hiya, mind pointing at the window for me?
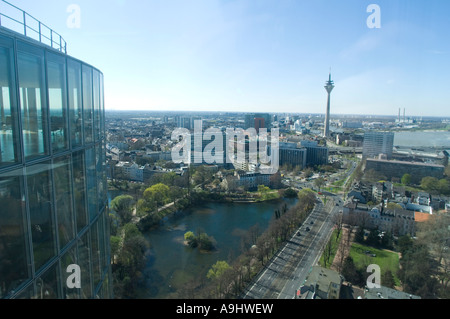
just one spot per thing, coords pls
(14, 268)
(87, 104)
(63, 200)
(91, 179)
(32, 101)
(41, 211)
(84, 263)
(96, 262)
(47, 284)
(75, 102)
(79, 189)
(69, 258)
(96, 104)
(57, 100)
(9, 137)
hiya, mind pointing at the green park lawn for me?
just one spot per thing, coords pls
(387, 260)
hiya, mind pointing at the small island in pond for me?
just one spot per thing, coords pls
(202, 241)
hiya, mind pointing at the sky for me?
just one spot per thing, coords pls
(261, 55)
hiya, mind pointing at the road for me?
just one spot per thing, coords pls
(288, 269)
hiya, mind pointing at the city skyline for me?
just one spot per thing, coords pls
(260, 57)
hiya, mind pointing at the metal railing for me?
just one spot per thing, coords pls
(29, 26)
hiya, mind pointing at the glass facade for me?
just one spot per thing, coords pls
(53, 200)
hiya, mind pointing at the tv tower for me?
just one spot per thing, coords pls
(329, 87)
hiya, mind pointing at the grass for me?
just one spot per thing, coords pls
(335, 246)
(385, 259)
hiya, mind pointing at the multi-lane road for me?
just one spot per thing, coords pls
(288, 269)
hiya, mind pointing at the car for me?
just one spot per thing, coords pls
(298, 234)
(307, 229)
(311, 222)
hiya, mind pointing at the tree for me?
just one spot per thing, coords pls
(406, 179)
(190, 238)
(217, 273)
(319, 182)
(387, 279)
(290, 193)
(443, 187)
(307, 197)
(159, 193)
(123, 206)
(429, 184)
(307, 173)
(351, 273)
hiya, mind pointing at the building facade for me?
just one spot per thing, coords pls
(291, 155)
(315, 154)
(53, 190)
(396, 169)
(376, 143)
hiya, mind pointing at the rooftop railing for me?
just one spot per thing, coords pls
(15, 19)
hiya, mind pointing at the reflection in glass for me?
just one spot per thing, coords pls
(8, 114)
(32, 101)
(87, 104)
(95, 249)
(39, 199)
(47, 285)
(63, 200)
(84, 263)
(79, 189)
(69, 258)
(56, 74)
(91, 179)
(75, 100)
(96, 105)
(14, 268)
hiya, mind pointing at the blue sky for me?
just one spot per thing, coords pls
(262, 55)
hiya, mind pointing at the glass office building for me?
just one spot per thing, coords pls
(53, 190)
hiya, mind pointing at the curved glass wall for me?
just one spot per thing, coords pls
(53, 202)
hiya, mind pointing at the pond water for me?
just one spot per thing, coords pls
(170, 264)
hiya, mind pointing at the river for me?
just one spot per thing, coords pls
(422, 139)
(170, 264)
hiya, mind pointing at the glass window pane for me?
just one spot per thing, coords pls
(69, 258)
(41, 211)
(75, 106)
(27, 293)
(79, 189)
(87, 104)
(100, 185)
(91, 186)
(9, 137)
(56, 74)
(14, 268)
(95, 254)
(102, 107)
(63, 200)
(47, 284)
(32, 101)
(84, 263)
(96, 95)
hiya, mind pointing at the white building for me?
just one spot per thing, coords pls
(376, 143)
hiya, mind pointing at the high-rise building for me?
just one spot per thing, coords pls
(315, 154)
(257, 121)
(290, 154)
(376, 143)
(53, 190)
(329, 87)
